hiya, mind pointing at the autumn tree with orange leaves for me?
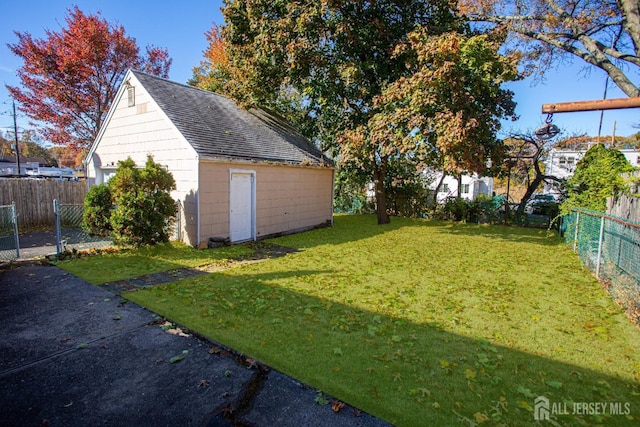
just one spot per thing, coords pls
(213, 72)
(603, 33)
(70, 77)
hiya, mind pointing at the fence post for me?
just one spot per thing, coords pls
(575, 234)
(56, 214)
(600, 247)
(15, 228)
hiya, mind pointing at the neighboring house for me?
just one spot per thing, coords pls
(472, 186)
(240, 174)
(561, 162)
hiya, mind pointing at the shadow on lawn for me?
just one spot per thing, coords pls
(404, 372)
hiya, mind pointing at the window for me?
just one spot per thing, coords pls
(562, 160)
(131, 96)
(444, 188)
(465, 188)
(571, 160)
(638, 161)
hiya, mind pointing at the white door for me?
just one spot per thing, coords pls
(241, 206)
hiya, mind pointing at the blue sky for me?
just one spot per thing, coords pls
(180, 27)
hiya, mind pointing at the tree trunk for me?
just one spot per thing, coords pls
(435, 193)
(379, 172)
(532, 186)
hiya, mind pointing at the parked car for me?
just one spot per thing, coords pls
(541, 204)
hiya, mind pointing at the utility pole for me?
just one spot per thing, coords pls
(15, 132)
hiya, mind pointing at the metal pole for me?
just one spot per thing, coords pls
(15, 131)
(601, 104)
(600, 247)
(15, 229)
(575, 234)
(56, 214)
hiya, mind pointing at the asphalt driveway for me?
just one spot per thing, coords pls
(74, 354)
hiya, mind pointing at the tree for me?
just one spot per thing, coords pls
(336, 57)
(213, 72)
(524, 158)
(68, 157)
(603, 33)
(144, 210)
(70, 77)
(597, 176)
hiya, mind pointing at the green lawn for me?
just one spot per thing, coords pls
(425, 323)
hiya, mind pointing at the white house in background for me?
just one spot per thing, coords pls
(632, 155)
(472, 186)
(561, 162)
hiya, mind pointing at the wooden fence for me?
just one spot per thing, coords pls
(627, 207)
(34, 198)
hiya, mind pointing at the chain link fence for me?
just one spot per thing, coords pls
(610, 247)
(70, 233)
(9, 239)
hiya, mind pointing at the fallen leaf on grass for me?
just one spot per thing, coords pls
(554, 384)
(480, 418)
(525, 392)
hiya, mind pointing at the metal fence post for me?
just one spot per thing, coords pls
(575, 234)
(56, 214)
(598, 262)
(14, 218)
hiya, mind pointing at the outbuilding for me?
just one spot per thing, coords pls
(240, 174)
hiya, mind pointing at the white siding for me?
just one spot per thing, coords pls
(142, 130)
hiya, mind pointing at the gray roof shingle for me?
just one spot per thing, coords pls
(218, 128)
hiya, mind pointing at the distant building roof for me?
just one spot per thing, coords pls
(12, 159)
(218, 128)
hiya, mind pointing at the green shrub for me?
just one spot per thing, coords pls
(97, 210)
(144, 210)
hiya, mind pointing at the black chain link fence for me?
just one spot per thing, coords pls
(70, 233)
(610, 247)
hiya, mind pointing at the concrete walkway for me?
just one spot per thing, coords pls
(74, 354)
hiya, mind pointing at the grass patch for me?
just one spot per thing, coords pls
(153, 259)
(424, 322)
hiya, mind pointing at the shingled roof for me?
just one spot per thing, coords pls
(218, 128)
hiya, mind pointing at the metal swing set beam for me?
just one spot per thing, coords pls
(602, 104)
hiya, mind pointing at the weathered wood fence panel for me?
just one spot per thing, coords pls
(624, 206)
(34, 198)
